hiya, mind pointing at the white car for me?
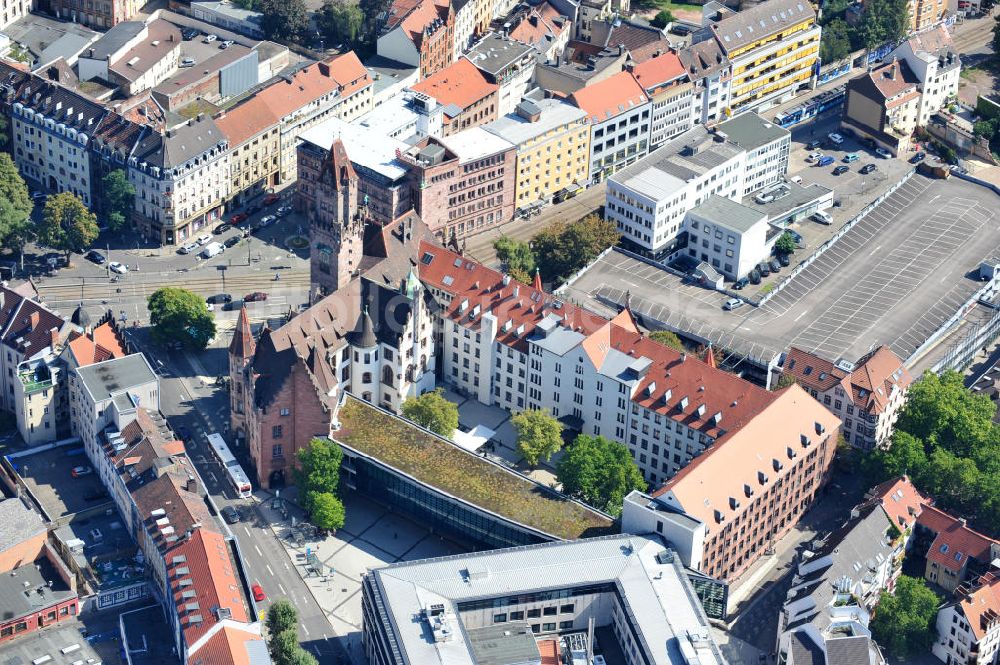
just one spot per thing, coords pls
(882, 152)
(188, 248)
(204, 239)
(732, 303)
(226, 44)
(267, 220)
(835, 139)
(814, 157)
(210, 38)
(116, 267)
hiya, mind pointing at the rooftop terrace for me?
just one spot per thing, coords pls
(446, 467)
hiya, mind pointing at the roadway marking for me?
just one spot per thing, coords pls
(306, 630)
(248, 532)
(283, 592)
(259, 553)
(269, 571)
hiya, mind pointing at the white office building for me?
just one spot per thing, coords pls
(513, 606)
(767, 147)
(732, 237)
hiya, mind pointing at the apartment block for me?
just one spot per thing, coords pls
(420, 33)
(968, 628)
(957, 553)
(933, 60)
(465, 26)
(632, 586)
(97, 15)
(464, 183)
(620, 115)
(866, 395)
(711, 74)
(553, 149)
(544, 28)
(671, 93)
(883, 104)
(926, 13)
(508, 64)
(773, 48)
(649, 200)
(253, 132)
(12, 10)
(466, 97)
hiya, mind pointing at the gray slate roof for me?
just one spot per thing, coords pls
(115, 39)
(517, 130)
(495, 52)
(765, 19)
(728, 213)
(24, 590)
(752, 131)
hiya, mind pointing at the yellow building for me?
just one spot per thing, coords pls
(553, 149)
(773, 48)
(254, 134)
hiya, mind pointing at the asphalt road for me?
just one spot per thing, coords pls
(204, 409)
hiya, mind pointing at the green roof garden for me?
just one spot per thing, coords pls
(34, 380)
(444, 466)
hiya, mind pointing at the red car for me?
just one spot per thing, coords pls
(256, 296)
(258, 593)
(238, 218)
(271, 198)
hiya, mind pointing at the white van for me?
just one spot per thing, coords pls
(212, 249)
(204, 239)
(822, 217)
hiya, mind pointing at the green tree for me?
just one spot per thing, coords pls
(327, 511)
(985, 128)
(179, 315)
(539, 434)
(15, 206)
(283, 19)
(67, 225)
(662, 19)
(668, 338)
(517, 256)
(284, 646)
(318, 471)
(371, 9)
(117, 195)
(835, 43)
(904, 622)
(883, 21)
(785, 244)
(564, 248)
(784, 381)
(433, 411)
(281, 616)
(302, 657)
(600, 472)
(340, 21)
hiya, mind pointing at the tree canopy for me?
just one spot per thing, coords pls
(667, 338)
(996, 35)
(785, 244)
(117, 194)
(15, 206)
(539, 434)
(433, 411)
(600, 472)
(327, 511)
(281, 616)
(946, 441)
(905, 620)
(662, 19)
(517, 256)
(67, 225)
(318, 474)
(883, 21)
(835, 43)
(179, 315)
(283, 19)
(564, 247)
(340, 21)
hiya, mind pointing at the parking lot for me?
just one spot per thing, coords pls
(48, 476)
(894, 279)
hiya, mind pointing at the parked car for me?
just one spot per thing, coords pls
(189, 33)
(79, 471)
(283, 210)
(784, 260)
(187, 62)
(797, 179)
(732, 303)
(822, 217)
(210, 38)
(222, 228)
(271, 199)
(96, 257)
(219, 298)
(764, 269)
(266, 220)
(256, 296)
(680, 29)
(814, 157)
(815, 143)
(226, 44)
(866, 169)
(796, 236)
(233, 306)
(774, 265)
(825, 160)
(232, 516)
(204, 239)
(188, 248)
(851, 157)
(754, 276)
(38, 196)
(741, 283)
(238, 218)
(232, 242)
(919, 157)
(117, 268)
(835, 139)
(213, 249)
(258, 593)
(883, 153)
(843, 168)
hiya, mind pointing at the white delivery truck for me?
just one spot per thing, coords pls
(213, 248)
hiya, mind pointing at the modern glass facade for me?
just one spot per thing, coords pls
(445, 514)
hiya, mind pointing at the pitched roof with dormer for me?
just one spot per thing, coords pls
(900, 500)
(611, 97)
(869, 385)
(981, 606)
(954, 542)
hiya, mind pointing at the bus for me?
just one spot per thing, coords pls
(238, 478)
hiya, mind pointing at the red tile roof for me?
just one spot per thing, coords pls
(981, 607)
(308, 84)
(26, 325)
(415, 16)
(901, 501)
(246, 120)
(869, 385)
(460, 83)
(608, 98)
(243, 344)
(226, 645)
(955, 542)
(203, 580)
(101, 344)
(658, 71)
(541, 23)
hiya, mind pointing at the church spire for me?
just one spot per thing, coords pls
(537, 284)
(243, 344)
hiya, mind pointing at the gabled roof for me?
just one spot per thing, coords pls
(703, 59)
(934, 42)
(290, 92)
(26, 325)
(541, 26)
(981, 607)
(955, 542)
(100, 345)
(869, 385)
(461, 83)
(231, 644)
(247, 120)
(183, 509)
(658, 71)
(641, 41)
(768, 18)
(611, 97)
(416, 16)
(243, 344)
(887, 81)
(900, 500)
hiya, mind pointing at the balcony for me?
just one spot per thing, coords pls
(35, 380)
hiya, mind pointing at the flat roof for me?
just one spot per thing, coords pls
(649, 578)
(475, 143)
(503, 644)
(18, 523)
(102, 380)
(728, 213)
(797, 197)
(554, 113)
(446, 467)
(751, 131)
(495, 52)
(25, 589)
(50, 642)
(364, 146)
